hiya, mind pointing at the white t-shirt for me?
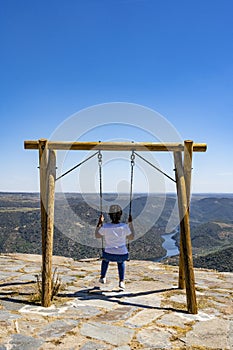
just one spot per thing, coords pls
(115, 237)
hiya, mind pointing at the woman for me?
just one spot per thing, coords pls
(115, 234)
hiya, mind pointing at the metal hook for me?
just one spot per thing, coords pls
(132, 158)
(100, 158)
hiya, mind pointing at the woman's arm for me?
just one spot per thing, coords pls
(99, 225)
(131, 227)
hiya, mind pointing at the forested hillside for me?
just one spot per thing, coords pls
(212, 232)
(20, 229)
(75, 220)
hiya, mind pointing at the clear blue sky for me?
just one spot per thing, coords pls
(59, 57)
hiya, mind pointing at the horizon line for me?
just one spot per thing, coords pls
(111, 193)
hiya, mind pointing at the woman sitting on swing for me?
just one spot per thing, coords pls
(115, 234)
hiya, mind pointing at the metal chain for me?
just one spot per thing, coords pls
(76, 166)
(155, 167)
(100, 180)
(132, 158)
(101, 193)
(131, 181)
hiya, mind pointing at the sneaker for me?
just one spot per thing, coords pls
(102, 280)
(122, 285)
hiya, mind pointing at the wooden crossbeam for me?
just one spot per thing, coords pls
(116, 146)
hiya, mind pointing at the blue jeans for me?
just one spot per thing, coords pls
(121, 269)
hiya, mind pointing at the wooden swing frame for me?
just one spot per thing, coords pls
(183, 167)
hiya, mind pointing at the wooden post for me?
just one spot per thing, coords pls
(47, 185)
(185, 236)
(188, 151)
(181, 280)
(43, 161)
(48, 248)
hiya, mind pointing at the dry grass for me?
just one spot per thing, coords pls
(56, 286)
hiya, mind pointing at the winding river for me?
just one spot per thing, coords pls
(169, 245)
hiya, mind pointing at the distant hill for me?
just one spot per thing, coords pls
(211, 226)
(220, 260)
(211, 221)
(210, 236)
(212, 209)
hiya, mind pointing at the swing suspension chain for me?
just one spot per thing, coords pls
(76, 166)
(131, 181)
(155, 167)
(100, 169)
(100, 180)
(101, 192)
(132, 158)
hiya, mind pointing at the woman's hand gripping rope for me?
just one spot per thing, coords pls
(99, 224)
(130, 223)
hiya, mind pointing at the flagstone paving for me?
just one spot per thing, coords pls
(149, 314)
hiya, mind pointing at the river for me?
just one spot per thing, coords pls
(169, 245)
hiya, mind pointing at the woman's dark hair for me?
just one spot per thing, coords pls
(115, 212)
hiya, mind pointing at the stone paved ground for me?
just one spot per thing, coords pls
(149, 314)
